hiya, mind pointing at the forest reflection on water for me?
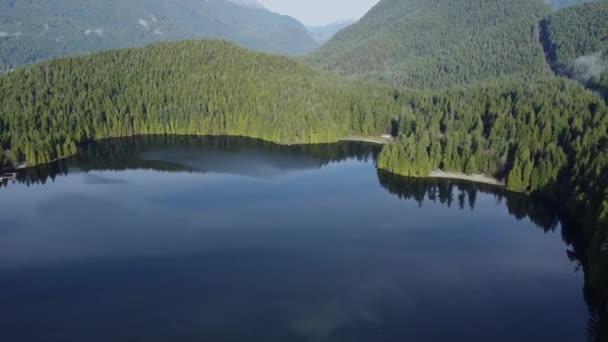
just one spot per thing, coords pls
(287, 208)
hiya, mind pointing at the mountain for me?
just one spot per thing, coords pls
(34, 30)
(438, 43)
(576, 43)
(324, 33)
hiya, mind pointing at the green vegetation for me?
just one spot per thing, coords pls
(576, 40)
(521, 132)
(438, 43)
(34, 30)
(193, 87)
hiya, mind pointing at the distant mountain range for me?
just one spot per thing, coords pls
(324, 33)
(34, 30)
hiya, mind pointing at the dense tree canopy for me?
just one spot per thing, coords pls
(437, 43)
(195, 87)
(576, 40)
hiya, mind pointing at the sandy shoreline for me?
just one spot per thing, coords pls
(471, 178)
(372, 140)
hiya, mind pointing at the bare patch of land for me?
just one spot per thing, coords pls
(471, 178)
(374, 140)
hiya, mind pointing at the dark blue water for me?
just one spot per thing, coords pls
(225, 239)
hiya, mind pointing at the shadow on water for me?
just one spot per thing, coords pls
(187, 154)
(195, 154)
(542, 213)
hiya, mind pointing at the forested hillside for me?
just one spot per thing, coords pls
(191, 87)
(438, 43)
(576, 40)
(34, 30)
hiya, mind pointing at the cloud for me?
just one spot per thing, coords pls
(153, 17)
(143, 23)
(588, 67)
(6, 34)
(98, 32)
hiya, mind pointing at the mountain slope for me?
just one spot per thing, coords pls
(34, 30)
(576, 40)
(437, 43)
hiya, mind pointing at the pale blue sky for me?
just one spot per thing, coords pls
(320, 12)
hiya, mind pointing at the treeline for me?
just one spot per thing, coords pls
(438, 43)
(523, 132)
(576, 40)
(195, 87)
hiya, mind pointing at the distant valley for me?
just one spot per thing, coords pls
(324, 33)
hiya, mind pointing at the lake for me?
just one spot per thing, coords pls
(233, 239)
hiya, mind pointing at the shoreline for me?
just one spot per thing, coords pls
(470, 178)
(363, 139)
(371, 140)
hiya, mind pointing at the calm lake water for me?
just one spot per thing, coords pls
(229, 239)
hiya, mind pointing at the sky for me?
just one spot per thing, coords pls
(320, 12)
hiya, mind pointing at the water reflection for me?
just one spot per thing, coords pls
(541, 212)
(464, 195)
(192, 154)
(229, 255)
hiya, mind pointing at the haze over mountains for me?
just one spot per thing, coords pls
(34, 30)
(324, 33)
(576, 42)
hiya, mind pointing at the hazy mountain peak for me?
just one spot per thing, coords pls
(248, 3)
(324, 33)
(34, 30)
